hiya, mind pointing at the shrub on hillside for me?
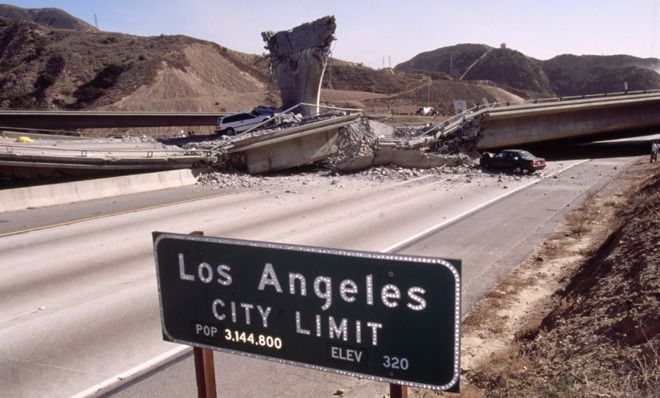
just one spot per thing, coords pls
(105, 79)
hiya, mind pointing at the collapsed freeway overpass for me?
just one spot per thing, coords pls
(576, 119)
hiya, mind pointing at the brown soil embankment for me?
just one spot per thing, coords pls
(581, 316)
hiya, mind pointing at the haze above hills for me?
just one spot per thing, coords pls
(51, 60)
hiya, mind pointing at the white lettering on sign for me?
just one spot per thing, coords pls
(336, 328)
(264, 314)
(299, 329)
(208, 331)
(348, 287)
(389, 295)
(328, 326)
(268, 277)
(205, 272)
(349, 290)
(218, 306)
(214, 308)
(326, 293)
(341, 331)
(182, 270)
(414, 293)
(346, 354)
(374, 331)
(301, 282)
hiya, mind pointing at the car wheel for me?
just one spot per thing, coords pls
(230, 131)
(517, 170)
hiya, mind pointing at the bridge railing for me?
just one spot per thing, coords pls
(31, 150)
(552, 100)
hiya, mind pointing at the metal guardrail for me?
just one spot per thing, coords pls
(146, 153)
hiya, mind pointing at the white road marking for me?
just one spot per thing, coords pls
(437, 227)
(133, 372)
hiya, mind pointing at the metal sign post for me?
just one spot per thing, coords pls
(386, 317)
(398, 391)
(204, 366)
(204, 372)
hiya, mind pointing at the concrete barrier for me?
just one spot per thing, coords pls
(57, 194)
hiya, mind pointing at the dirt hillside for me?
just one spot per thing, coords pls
(42, 67)
(49, 68)
(209, 81)
(598, 335)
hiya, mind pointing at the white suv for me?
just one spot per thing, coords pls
(239, 122)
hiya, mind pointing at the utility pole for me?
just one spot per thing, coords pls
(428, 93)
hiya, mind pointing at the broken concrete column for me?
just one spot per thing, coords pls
(298, 57)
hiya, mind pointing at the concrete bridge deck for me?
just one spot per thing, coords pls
(72, 120)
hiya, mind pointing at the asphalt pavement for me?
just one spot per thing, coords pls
(490, 241)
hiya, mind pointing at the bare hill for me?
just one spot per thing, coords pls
(587, 74)
(504, 66)
(51, 17)
(563, 75)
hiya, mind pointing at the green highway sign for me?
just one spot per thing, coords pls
(387, 317)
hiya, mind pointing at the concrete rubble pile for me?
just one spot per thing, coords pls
(355, 147)
(407, 132)
(230, 179)
(461, 142)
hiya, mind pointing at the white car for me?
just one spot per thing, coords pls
(239, 122)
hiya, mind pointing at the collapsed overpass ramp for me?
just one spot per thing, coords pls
(582, 119)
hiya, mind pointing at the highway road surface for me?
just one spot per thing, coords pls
(79, 303)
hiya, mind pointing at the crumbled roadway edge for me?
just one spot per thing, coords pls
(517, 305)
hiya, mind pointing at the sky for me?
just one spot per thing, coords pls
(381, 33)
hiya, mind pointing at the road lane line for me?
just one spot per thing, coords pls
(402, 244)
(119, 213)
(134, 372)
(92, 218)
